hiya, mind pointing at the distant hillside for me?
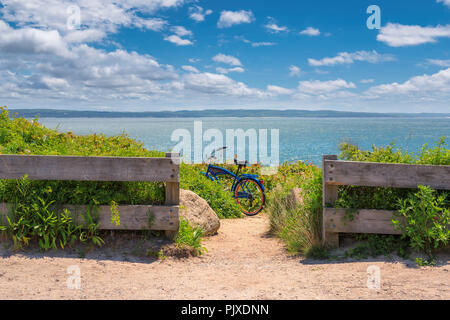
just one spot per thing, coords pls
(50, 113)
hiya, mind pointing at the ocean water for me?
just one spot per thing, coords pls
(299, 138)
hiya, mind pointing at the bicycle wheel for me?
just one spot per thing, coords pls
(249, 197)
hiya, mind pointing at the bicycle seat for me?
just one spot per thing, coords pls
(241, 162)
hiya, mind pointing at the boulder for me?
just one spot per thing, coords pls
(197, 211)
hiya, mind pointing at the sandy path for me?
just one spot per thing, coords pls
(242, 263)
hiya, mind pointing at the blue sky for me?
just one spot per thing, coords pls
(178, 54)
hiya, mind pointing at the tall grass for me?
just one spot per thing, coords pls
(297, 223)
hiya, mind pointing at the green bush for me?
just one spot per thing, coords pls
(33, 218)
(387, 198)
(298, 225)
(21, 136)
(437, 155)
(425, 211)
(189, 236)
(36, 213)
(426, 216)
(219, 200)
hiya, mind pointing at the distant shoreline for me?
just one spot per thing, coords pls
(239, 113)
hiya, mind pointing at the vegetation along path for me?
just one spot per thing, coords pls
(242, 262)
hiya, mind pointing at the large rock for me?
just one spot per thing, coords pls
(197, 211)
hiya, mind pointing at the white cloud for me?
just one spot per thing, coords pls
(263, 44)
(89, 35)
(193, 60)
(367, 80)
(398, 35)
(255, 44)
(294, 71)
(227, 59)
(55, 83)
(348, 58)
(315, 87)
(198, 14)
(219, 84)
(228, 70)
(86, 74)
(178, 41)
(438, 62)
(230, 18)
(445, 2)
(190, 69)
(102, 15)
(310, 31)
(274, 28)
(276, 90)
(181, 31)
(31, 41)
(154, 24)
(424, 85)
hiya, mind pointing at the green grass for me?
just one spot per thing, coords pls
(190, 236)
(298, 225)
(219, 200)
(33, 198)
(426, 211)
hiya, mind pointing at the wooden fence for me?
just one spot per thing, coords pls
(336, 173)
(132, 217)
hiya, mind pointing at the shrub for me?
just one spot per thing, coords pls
(35, 212)
(437, 155)
(299, 226)
(219, 200)
(32, 218)
(189, 236)
(425, 211)
(426, 216)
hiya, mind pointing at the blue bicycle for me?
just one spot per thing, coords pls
(247, 189)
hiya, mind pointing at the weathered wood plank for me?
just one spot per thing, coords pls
(365, 221)
(172, 193)
(386, 174)
(330, 193)
(88, 168)
(173, 188)
(132, 217)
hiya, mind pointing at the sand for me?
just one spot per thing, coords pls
(242, 262)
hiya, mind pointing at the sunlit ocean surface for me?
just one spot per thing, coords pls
(299, 138)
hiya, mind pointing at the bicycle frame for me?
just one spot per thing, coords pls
(214, 171)
(241, 187)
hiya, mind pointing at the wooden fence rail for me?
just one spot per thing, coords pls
(336, 173)
(132, 217)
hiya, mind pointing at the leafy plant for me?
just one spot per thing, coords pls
(298, 224)
(218, 199)
(189, 236)
(374, 245)
(34, 218)
(423, 213)
(115, 217)
(426, 217)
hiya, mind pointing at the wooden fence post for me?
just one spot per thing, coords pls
(172, 190)
(330, 194)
